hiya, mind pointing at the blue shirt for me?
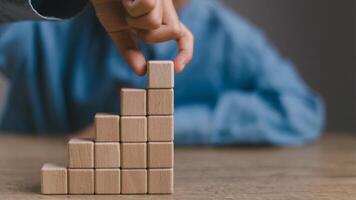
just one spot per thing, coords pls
(236, 90)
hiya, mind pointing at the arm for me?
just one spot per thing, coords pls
(18, 10)
(263, 101)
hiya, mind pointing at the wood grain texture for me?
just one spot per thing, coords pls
(160, 74)
(81, 181)
(80, 153)
(133, 102)
(134, 129)
(133, 155)
(107, 155)
(160, 155)
(107, 181)
(54, 179)
(160, 181)
(324, 170)
(134, 181)
(160, 102)
(107, 128)
(160, 128)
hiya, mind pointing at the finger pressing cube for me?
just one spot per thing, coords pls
(81, 153)
(160, 128)
(53, 179)
(160, 154)
(134, 129)
(133, 155)
(107, 155)
(107, 128)
(160, 181)
(134, 181)
(160, 102)
(160, 74)
(107, 181)
(81, 181)
(133, 102)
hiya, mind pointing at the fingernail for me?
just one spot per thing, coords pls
(182, 67)
(141, 68)
(179, 67)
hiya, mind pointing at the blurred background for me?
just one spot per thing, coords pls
(319, 36)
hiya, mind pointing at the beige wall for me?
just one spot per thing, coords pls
(320, 37)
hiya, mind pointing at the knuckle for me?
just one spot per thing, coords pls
(176, 31)
(149, 4)
(133, 12)
(140, 7)
(155, 25)
(188, 34)
(155, 22)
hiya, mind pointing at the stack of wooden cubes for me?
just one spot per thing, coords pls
(160, 127)
(132, 153)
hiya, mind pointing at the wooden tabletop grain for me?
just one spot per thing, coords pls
(325, 170)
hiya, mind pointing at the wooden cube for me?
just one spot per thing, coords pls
(160, 128)
(134, 181)
(160, 102)
(160, 74)
(107, 128)
(80, 153)
(133, 155)
(107, 181)
(160, 181)
(160, 154)
(107, 155)
(81, 181)
(133, 102)
(134, 129)
(53, 179)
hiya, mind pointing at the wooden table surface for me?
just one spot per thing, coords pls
(325, 170)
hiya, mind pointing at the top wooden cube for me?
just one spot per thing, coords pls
(133, 102)
(160, 74)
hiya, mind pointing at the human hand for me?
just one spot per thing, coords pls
(152, 21)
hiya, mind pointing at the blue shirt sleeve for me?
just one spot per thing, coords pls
(260, 98)
(13, 45)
